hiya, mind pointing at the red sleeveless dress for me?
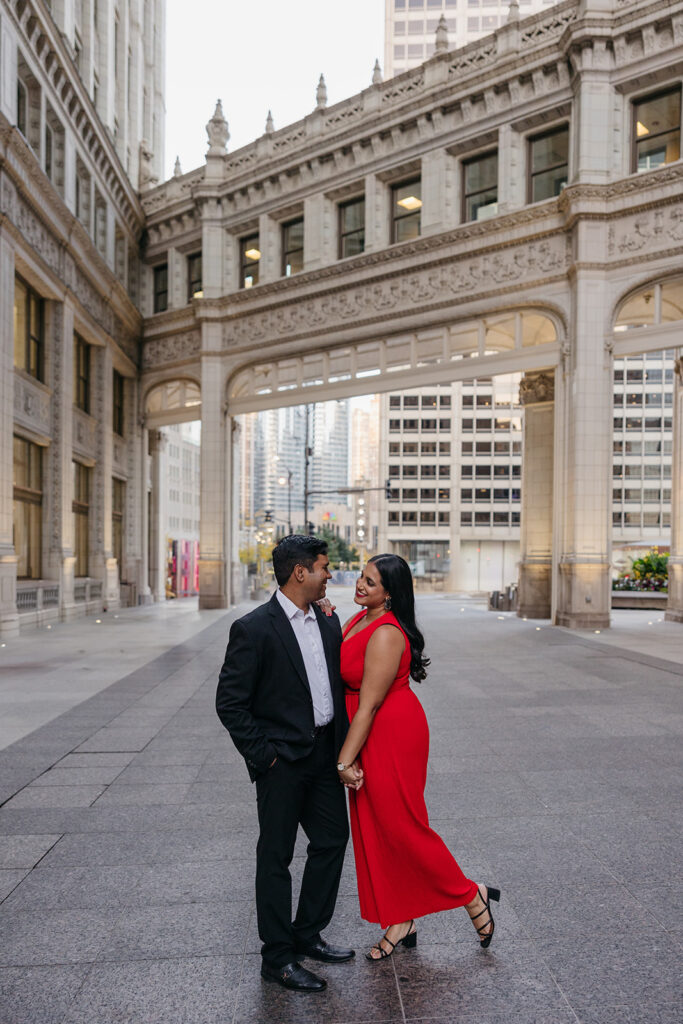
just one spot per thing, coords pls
(404, 868)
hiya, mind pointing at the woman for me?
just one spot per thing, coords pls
(404, 868)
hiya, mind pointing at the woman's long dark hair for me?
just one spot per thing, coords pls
(397, 580)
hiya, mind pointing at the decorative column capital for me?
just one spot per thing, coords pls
(157, 442)
(678, 370)
(537, 387)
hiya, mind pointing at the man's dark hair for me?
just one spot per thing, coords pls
(296, 549)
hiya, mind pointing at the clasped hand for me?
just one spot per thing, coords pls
(352, 777)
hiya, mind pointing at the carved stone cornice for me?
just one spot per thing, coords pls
(535, 388)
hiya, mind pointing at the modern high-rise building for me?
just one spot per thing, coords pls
(410, 26)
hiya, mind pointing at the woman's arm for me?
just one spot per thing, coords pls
(382, 658)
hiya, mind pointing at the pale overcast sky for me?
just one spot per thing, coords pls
(258, 55)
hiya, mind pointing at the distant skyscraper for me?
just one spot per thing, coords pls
(410, 26)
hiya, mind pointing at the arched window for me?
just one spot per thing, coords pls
(174, 401)
(659, 303)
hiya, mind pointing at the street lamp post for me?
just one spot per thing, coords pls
(288, 480)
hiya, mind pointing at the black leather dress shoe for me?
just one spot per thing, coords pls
(327, 954)
(294, 976)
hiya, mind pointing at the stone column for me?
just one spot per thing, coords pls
(674, 608)
(143, 464)
(58, 468)
(537, 393)
(212, 249)
(157, 516)
(102, 563)
(9, 619)
(583, 428)
(215, 470)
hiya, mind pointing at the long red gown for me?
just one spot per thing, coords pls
(404, 869)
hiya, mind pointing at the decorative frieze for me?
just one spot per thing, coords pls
(84, 434)
(449, 283)
(32, 404)
(647, 230)
(175, 348)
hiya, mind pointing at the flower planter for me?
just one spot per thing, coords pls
(646, 599)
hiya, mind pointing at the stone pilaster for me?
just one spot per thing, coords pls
(584, 448)
(157, 516)
(212, 249)
(537, 393)
(376, 213)
(674, 608)
(9, 620)
(102, 563)
(215, 470)
(592, 126)
(439, 199)
(58, 494)
(270, 243)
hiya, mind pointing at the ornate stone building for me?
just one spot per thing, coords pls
(342, 255)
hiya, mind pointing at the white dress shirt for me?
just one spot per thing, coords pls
(307, 633)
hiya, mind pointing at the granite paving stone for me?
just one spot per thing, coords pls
(30, 937)
(189, 990)
(39, 995)
(23, 851)
(554, 773)
(9, 880)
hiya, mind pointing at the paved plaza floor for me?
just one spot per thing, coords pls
(128, 826)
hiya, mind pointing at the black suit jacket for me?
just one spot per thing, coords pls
(263, 697)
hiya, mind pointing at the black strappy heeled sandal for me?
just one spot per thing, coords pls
(409, 940)
(491, 894)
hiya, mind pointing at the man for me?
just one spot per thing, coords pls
(280, 696)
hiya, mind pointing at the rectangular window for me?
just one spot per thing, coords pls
(406, 207)
(293, 247)
(81, 374)
(465, 518)
(194, 276)
(410, 447)
(427, 494)
(161, 288)
(29, 329)
(548, 164)
(482, 494)
(429, 401)
(409, 518)
(427, 518)
(501, 518)
(352, 227)
(444, 518)
(480, 187)
(656, 130)
(444, 472)
(428, 425)
(444, 447)
(394, 471)
(250, 255)
(482, 518)
(118, 505)
(444, 494)
(394, 518)
(411, 401)
(119, 409)
(466, 471)
(410, 493)
(410, 472)
(81, 513)
(28, 499)
(394, 401)
(428, 472)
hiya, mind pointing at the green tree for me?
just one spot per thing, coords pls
(338, 549)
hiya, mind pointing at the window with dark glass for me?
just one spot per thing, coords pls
(445, 402)
(444, 447)
(118, 502)
(548, 164)
(427, 518)
(410, 493)
(409, 518)
(444, 518)
(394, 517)
(656, 130)
(194, 276)
(406, 210)
(161, 288)
(293, 247)
(81, 513)
(394, 401)
(444, 494)
(81, 373)
(427, 494)
(411, 401)
(27, 511)
(29, 329)
(250, 257)
(465, 518)
(410, 447)
(428, 448)
(352, 227)
(480, 187)
(429, 401)
(118, 418)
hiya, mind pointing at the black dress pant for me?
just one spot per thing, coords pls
(306, 792)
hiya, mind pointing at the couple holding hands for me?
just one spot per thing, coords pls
(314, 709)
